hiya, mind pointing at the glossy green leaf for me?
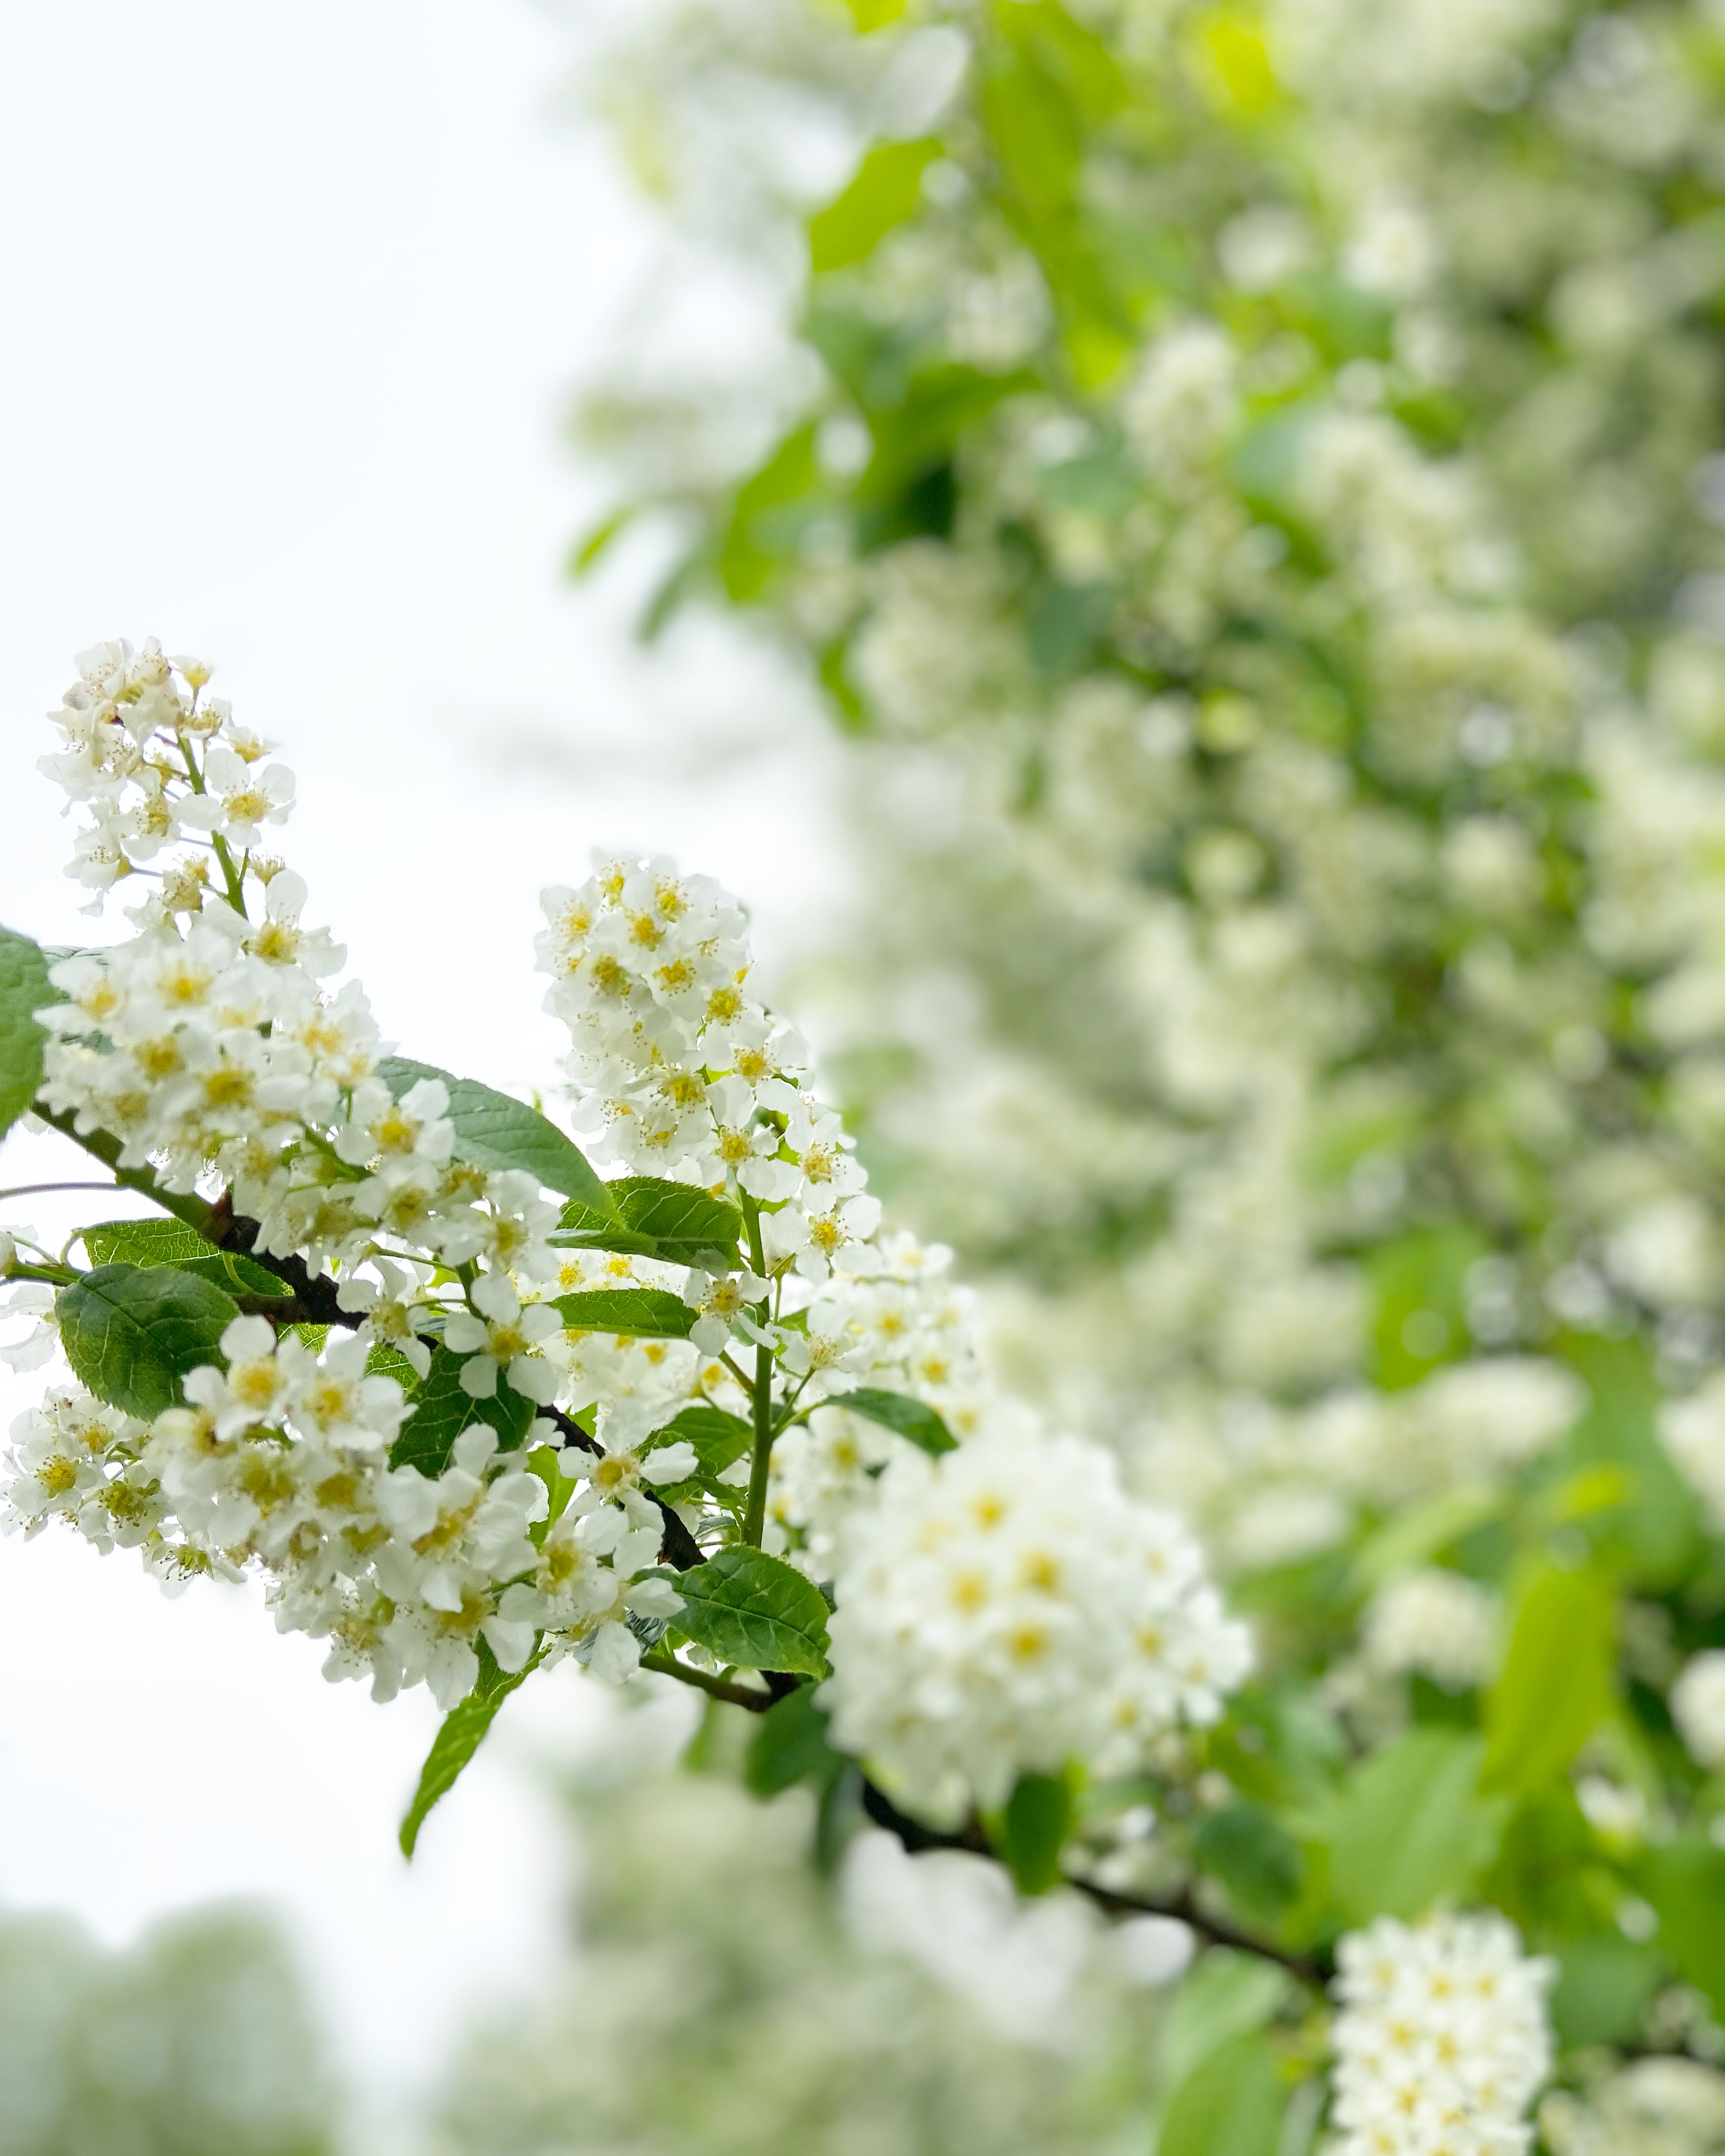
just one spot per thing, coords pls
(1033, 1829)
(172, 1243)
(720, 1440)
(754, 1612)
(885, 192)
(1231, 2105)
(24, 989)
(464, 1730)
(443, 1410)
(644, 1216)
(898, 1411)
(790, 1745)
(1408, 1827)
(495, 1132)
(634, 1313)
(131, 1333)
(1558, 1681)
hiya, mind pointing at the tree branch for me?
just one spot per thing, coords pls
(315, 1299)
(735, 1694)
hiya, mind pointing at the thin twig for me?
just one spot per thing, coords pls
(34, 1189)
(735, 1694)
(680, 1547)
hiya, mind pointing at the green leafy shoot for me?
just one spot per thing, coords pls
(632, 1314)
(647, 1217)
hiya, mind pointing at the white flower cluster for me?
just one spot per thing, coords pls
(1005, 1609)
(1441, 2042)
(1693, 1432)
(209, 1046)
(1697, 1702)
(673, 1062)
(1437, 1623)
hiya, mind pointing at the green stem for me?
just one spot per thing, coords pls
(754, 1516)
(54, 1276)
(668, 1666)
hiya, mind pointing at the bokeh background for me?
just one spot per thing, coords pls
(1187, 591)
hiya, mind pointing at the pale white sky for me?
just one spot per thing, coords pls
(293, 295)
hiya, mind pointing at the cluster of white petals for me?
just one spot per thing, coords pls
(1441, 2042)
(1005, 1609)
(1063, 1624)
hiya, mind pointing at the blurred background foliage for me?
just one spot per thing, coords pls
(196, 2041)
(1245, 482)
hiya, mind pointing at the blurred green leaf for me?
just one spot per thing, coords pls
(1685, 1882)
(1558, 1681)
(24, 989)
(790, 1745)
(887, 191)
(1408, 1827)
(1247, 1849)
(131, 1334)
(1232, 2105)
(1030, 1833)
(1603, 1987)
(1226, 1997)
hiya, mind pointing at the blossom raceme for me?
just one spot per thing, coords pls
(1006, 1608)
(527, 1424)
(1440, 2040)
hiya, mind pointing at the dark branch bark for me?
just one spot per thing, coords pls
(313, 1299)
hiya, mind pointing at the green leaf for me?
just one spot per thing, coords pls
(442, 1410)
(1604, 1986)
(720, 1440)
(131, 1334)
(754, 1612)
(1226, 1996)
(24, 989)
(1558, 1680)
(1245, 1847)
(385, 1362)
(585, 552)
(464, 1731)
(1032, 1831)
(495, 1132)
(149, 1243)
(1685, 1882)
(875, 14)
(1409, 1826)
(898, 1411)
(790, 1745)
(634, 1313)
(886, 192)
(676, 1222)
(1232, 2105)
